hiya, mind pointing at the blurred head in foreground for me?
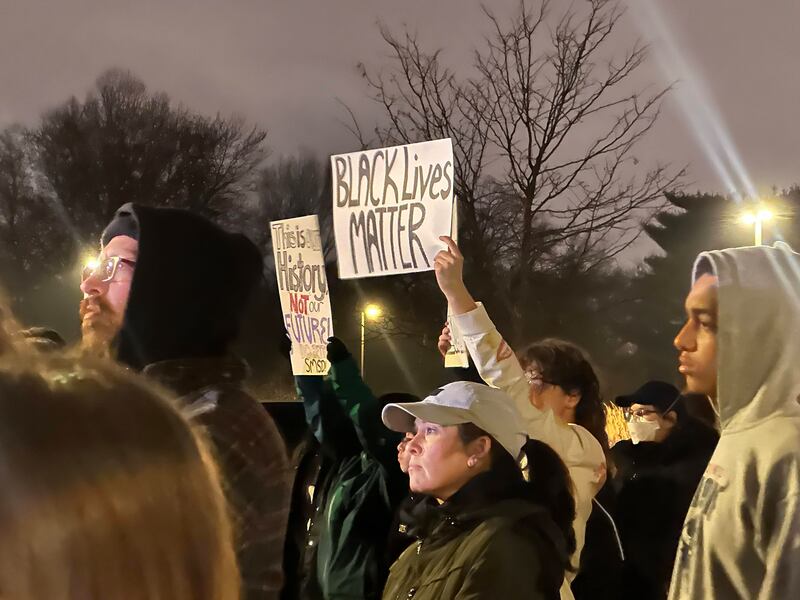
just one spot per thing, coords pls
(107, 490)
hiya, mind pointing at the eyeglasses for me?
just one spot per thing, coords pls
(638, 414)
(536, 381)
(105, 269)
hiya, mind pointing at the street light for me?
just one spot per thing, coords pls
(371, 312)
(757, 219)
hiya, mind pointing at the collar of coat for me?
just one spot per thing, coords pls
(485, 496)
(187, 375)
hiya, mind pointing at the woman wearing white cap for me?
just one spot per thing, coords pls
(483, 531)
(557, 409)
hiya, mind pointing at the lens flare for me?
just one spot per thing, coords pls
(91, 263)
(695, 100)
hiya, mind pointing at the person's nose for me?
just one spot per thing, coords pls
(685, 340)
(414, 446)
(92, 286)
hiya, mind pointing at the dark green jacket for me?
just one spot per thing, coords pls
(475, 547)
(362, 487)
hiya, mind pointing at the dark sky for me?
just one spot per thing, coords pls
(282, 64)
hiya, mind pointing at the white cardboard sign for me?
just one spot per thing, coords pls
(390, 206)
(304, 292)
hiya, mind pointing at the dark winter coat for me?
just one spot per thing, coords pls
(603, 558)
(252, 458)
(188, 294)
(359, 489)
(400, 537)
(299, 566)
(485, 543)
(654, 485)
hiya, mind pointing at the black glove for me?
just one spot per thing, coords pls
(337, 351)
(285, 346)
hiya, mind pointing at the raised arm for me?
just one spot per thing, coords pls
(325, 416)
(361, 406)
(493, 357)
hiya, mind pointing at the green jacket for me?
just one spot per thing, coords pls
(362, 488)
(506, 549)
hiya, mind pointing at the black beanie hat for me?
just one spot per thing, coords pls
(124, 222)
(189, 290)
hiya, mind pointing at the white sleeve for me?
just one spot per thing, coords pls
(782, 553)
(499, 367)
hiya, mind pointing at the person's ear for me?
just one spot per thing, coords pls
(573, 398)
(479, 448)
(671, 417)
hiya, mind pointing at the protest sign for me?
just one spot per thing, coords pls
(390, 206)
(303, 288)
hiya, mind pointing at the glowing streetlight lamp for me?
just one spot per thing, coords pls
(757, 219)
(371, 312)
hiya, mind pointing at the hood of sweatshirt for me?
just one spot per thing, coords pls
(190, 287)
(758, 336)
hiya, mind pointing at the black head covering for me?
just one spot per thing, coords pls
(190, 287)
(659, 394)
(123, 223)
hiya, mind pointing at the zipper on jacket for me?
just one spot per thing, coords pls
(410, 594)
(412, 591)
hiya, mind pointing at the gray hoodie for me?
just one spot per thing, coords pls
(741, 537)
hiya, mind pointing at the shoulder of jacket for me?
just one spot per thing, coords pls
(502, 538)
(777, 435)
(591, 447)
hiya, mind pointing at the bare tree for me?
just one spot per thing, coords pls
(544, 130)
(32, 238)
(423, 100)
(294, 187)
(125, 144)
(565, 120)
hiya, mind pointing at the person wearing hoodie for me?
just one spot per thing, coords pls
(740, 346)
(483, 531)
(656, 475)
(358, 485)
(165, 297)
(553, 390)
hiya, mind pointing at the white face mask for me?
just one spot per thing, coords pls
(643, 431)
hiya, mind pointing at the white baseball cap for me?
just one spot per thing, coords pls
(464, 402)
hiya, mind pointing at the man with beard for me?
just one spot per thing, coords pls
(106, 286)
(165, 297)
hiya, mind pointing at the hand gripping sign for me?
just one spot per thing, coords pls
(303, 288)
(390, 206)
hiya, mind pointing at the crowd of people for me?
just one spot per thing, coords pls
(137, 466)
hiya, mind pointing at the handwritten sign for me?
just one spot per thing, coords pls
(303, 288)
(390, 206)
